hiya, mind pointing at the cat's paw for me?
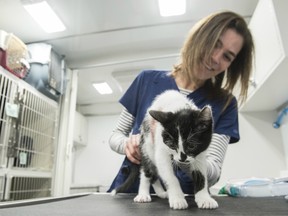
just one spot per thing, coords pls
(178, 203)
(163, 195)
(206, 202)
(142, 198)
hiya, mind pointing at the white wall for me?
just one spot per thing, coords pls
(260, 152)
(96, 163)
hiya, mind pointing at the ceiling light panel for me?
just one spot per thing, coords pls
(44, 15)
(172, 7)
(103, 88)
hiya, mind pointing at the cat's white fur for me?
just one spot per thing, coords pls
(160, 154)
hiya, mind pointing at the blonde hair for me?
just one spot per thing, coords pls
(200, 44)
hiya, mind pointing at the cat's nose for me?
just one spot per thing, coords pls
(183, 157)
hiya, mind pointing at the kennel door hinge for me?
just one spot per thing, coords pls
(12, 144)
(14, 111)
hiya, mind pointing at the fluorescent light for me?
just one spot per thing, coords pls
(172, 7)
(43, 14)
(103, 88)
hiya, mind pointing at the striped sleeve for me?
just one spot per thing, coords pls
(120, 134)
(215, 157)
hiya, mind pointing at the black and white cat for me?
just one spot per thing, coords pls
(174, 128)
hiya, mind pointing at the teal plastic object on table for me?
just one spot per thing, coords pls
(257, 187)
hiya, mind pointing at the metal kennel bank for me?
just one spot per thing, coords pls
(28, 131)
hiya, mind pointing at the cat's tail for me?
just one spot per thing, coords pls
(133, 172)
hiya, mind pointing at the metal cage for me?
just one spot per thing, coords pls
(28, 131)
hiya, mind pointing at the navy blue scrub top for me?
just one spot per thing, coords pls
(148, 84)
(138, 98)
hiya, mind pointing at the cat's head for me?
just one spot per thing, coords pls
(187, 132)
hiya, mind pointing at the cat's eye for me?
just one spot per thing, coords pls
(191, 147)
(169, 140)
(171, 144)
(202, 127)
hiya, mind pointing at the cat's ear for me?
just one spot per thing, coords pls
(162, 117)
(206, 112)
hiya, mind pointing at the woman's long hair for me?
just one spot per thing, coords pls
(200, 44)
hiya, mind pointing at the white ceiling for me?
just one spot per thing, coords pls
(113, 40)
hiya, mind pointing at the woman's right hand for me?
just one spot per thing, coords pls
(132, 150)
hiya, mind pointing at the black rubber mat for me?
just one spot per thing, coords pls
(123, 205)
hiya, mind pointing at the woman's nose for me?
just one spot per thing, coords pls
(216, 57)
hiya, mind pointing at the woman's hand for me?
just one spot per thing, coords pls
(132, 150)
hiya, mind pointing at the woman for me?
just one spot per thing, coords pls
(215, 56)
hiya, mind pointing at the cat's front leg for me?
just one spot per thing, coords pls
(202, 196)
(175, 195)
(143, 195)
(159, 190)
(177, 200)
(205, 201)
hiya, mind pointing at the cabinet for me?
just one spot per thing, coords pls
(80, 129)
(270, 33)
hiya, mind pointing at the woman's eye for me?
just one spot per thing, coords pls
(227, 58)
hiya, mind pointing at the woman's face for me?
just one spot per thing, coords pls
(226, 50)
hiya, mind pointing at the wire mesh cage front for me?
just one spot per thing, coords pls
(28, 130)
(2, 180)
(7, 88)
(29, 188)
(36, 144)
